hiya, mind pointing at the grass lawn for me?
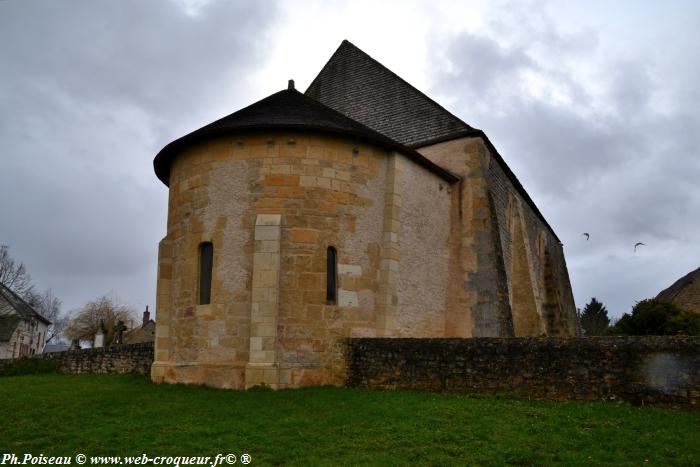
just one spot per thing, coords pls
(128, 415)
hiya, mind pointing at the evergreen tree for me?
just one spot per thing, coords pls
(594, 319)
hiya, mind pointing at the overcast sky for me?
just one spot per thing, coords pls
(594, 105)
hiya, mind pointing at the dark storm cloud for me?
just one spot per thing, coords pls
(616, 157)
(90, 91)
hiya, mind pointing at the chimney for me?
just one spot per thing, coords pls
(290, 84)
(146, 317)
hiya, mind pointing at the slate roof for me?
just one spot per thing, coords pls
(13, 310)
(146, 333)
(293, 110)
(677, 287)
(53, 348)
(360, 87)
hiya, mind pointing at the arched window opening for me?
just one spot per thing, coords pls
(331, 275)
(206, 262)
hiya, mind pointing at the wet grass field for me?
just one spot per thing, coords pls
(128, 415)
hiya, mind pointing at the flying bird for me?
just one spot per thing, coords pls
(588, 236)
(637, 244)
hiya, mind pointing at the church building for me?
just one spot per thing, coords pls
(360, 208)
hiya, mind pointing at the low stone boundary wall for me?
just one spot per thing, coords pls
(131, 358)
(641, 370)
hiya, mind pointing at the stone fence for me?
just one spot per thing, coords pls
(131, 358)
(641, 370)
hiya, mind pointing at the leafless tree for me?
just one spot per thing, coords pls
(14, 276)
(49, 306)
(104, 311)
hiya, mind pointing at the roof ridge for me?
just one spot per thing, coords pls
(347, 43)
(672, 291)
(326, 64)
(4, 289)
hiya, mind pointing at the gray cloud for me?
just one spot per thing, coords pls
(490, 67)
(91, 90)
(616, 157)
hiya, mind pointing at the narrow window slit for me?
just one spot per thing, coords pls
(206, 262)
(331, 275)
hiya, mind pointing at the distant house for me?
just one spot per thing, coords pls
(685, 292)
(22, 329)
(146, 333)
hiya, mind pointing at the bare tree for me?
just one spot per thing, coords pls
(49, 306)
(14, 276)
(104, 311)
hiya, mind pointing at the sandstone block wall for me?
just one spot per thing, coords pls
(269, 321)
(132, 358)
(641, 370)
(417, 256)
(424, 244)
(512, 266)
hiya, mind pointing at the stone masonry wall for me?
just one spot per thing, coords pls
(641, 370)
(533, 258)
(269, 320)
(479, 307)
(512, 265)
(323, 189)
(423, 276)
(133, 358)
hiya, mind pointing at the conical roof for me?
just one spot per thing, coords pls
(287, 109)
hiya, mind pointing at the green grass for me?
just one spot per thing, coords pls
(128, 415)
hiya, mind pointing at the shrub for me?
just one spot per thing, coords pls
(29, 366)
(653, 317)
